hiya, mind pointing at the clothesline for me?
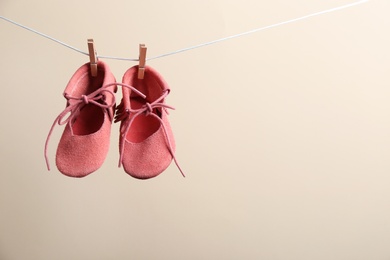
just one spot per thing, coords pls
(195, 46)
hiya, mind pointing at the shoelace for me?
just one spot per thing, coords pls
(146, 109)
(77, 103)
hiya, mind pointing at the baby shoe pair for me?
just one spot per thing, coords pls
(146, 144)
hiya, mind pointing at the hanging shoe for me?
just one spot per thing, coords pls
(88, 116)
(146, 145)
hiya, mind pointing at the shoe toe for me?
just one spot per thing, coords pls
(78, 155)
(149, 158)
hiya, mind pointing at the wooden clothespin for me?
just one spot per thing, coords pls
(142, 60)
(92, 57)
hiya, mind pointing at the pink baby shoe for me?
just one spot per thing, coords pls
(147, 145)
(88, 117)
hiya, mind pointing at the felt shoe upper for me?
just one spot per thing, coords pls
(147, 144)
(88, 116)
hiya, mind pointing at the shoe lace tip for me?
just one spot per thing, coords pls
(181, 171)
(47, 162)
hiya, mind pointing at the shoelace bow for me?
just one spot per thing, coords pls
(130, 114)
(75, 104)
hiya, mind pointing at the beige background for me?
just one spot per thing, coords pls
(284, 134)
